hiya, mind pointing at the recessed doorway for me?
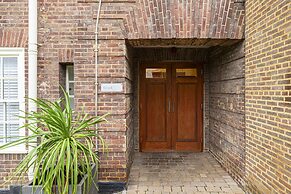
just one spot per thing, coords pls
(170, 107)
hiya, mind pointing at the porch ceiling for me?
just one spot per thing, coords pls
(191, 43)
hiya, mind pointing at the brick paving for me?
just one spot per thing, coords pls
(179, 173)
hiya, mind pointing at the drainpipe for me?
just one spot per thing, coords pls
(96, 63)
(32, 61)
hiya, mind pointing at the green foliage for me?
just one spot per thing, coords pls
(65, 148)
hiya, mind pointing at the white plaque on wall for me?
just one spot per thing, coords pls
(111, 87)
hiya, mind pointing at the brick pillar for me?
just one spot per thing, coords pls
(115, 67)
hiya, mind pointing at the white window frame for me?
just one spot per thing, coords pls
(70, 81)
(19, 53)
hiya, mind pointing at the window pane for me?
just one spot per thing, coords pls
(1, 112)
(10, 67)
(9, 105)
(1, 86)
(1, 134)
(1, 66)
(186, 72)
(71, 88)
(10, 89)
(155, 73)
(12, 111)
(70, 73)
(12, 132)
(72, 102)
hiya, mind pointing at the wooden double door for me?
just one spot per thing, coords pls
(171, 107)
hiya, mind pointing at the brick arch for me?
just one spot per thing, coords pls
(13, 38)
(152, 19)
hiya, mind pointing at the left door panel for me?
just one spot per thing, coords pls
(154, 108)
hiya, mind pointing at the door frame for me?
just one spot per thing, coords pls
(140, 93)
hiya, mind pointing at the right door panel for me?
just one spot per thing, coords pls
(187, 111)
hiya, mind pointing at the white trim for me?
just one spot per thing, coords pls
(15, 150)
(10, 51)
(19, 53)
(32, 66)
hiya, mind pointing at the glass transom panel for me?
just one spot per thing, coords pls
(156, 73)
(189, 72)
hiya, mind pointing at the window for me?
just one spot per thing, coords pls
(11, 96)
(156, 73)
(186, 72)
(70, 83)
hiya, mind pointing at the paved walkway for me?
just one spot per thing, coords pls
(179, 173)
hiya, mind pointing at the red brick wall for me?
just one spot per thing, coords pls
(8, 162)
(66, 31)
(66, 35)
(14, 23)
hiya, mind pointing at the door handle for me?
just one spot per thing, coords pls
(169, 106)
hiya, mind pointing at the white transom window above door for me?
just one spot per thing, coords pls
(12, 92)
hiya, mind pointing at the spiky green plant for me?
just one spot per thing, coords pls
(65, 148)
